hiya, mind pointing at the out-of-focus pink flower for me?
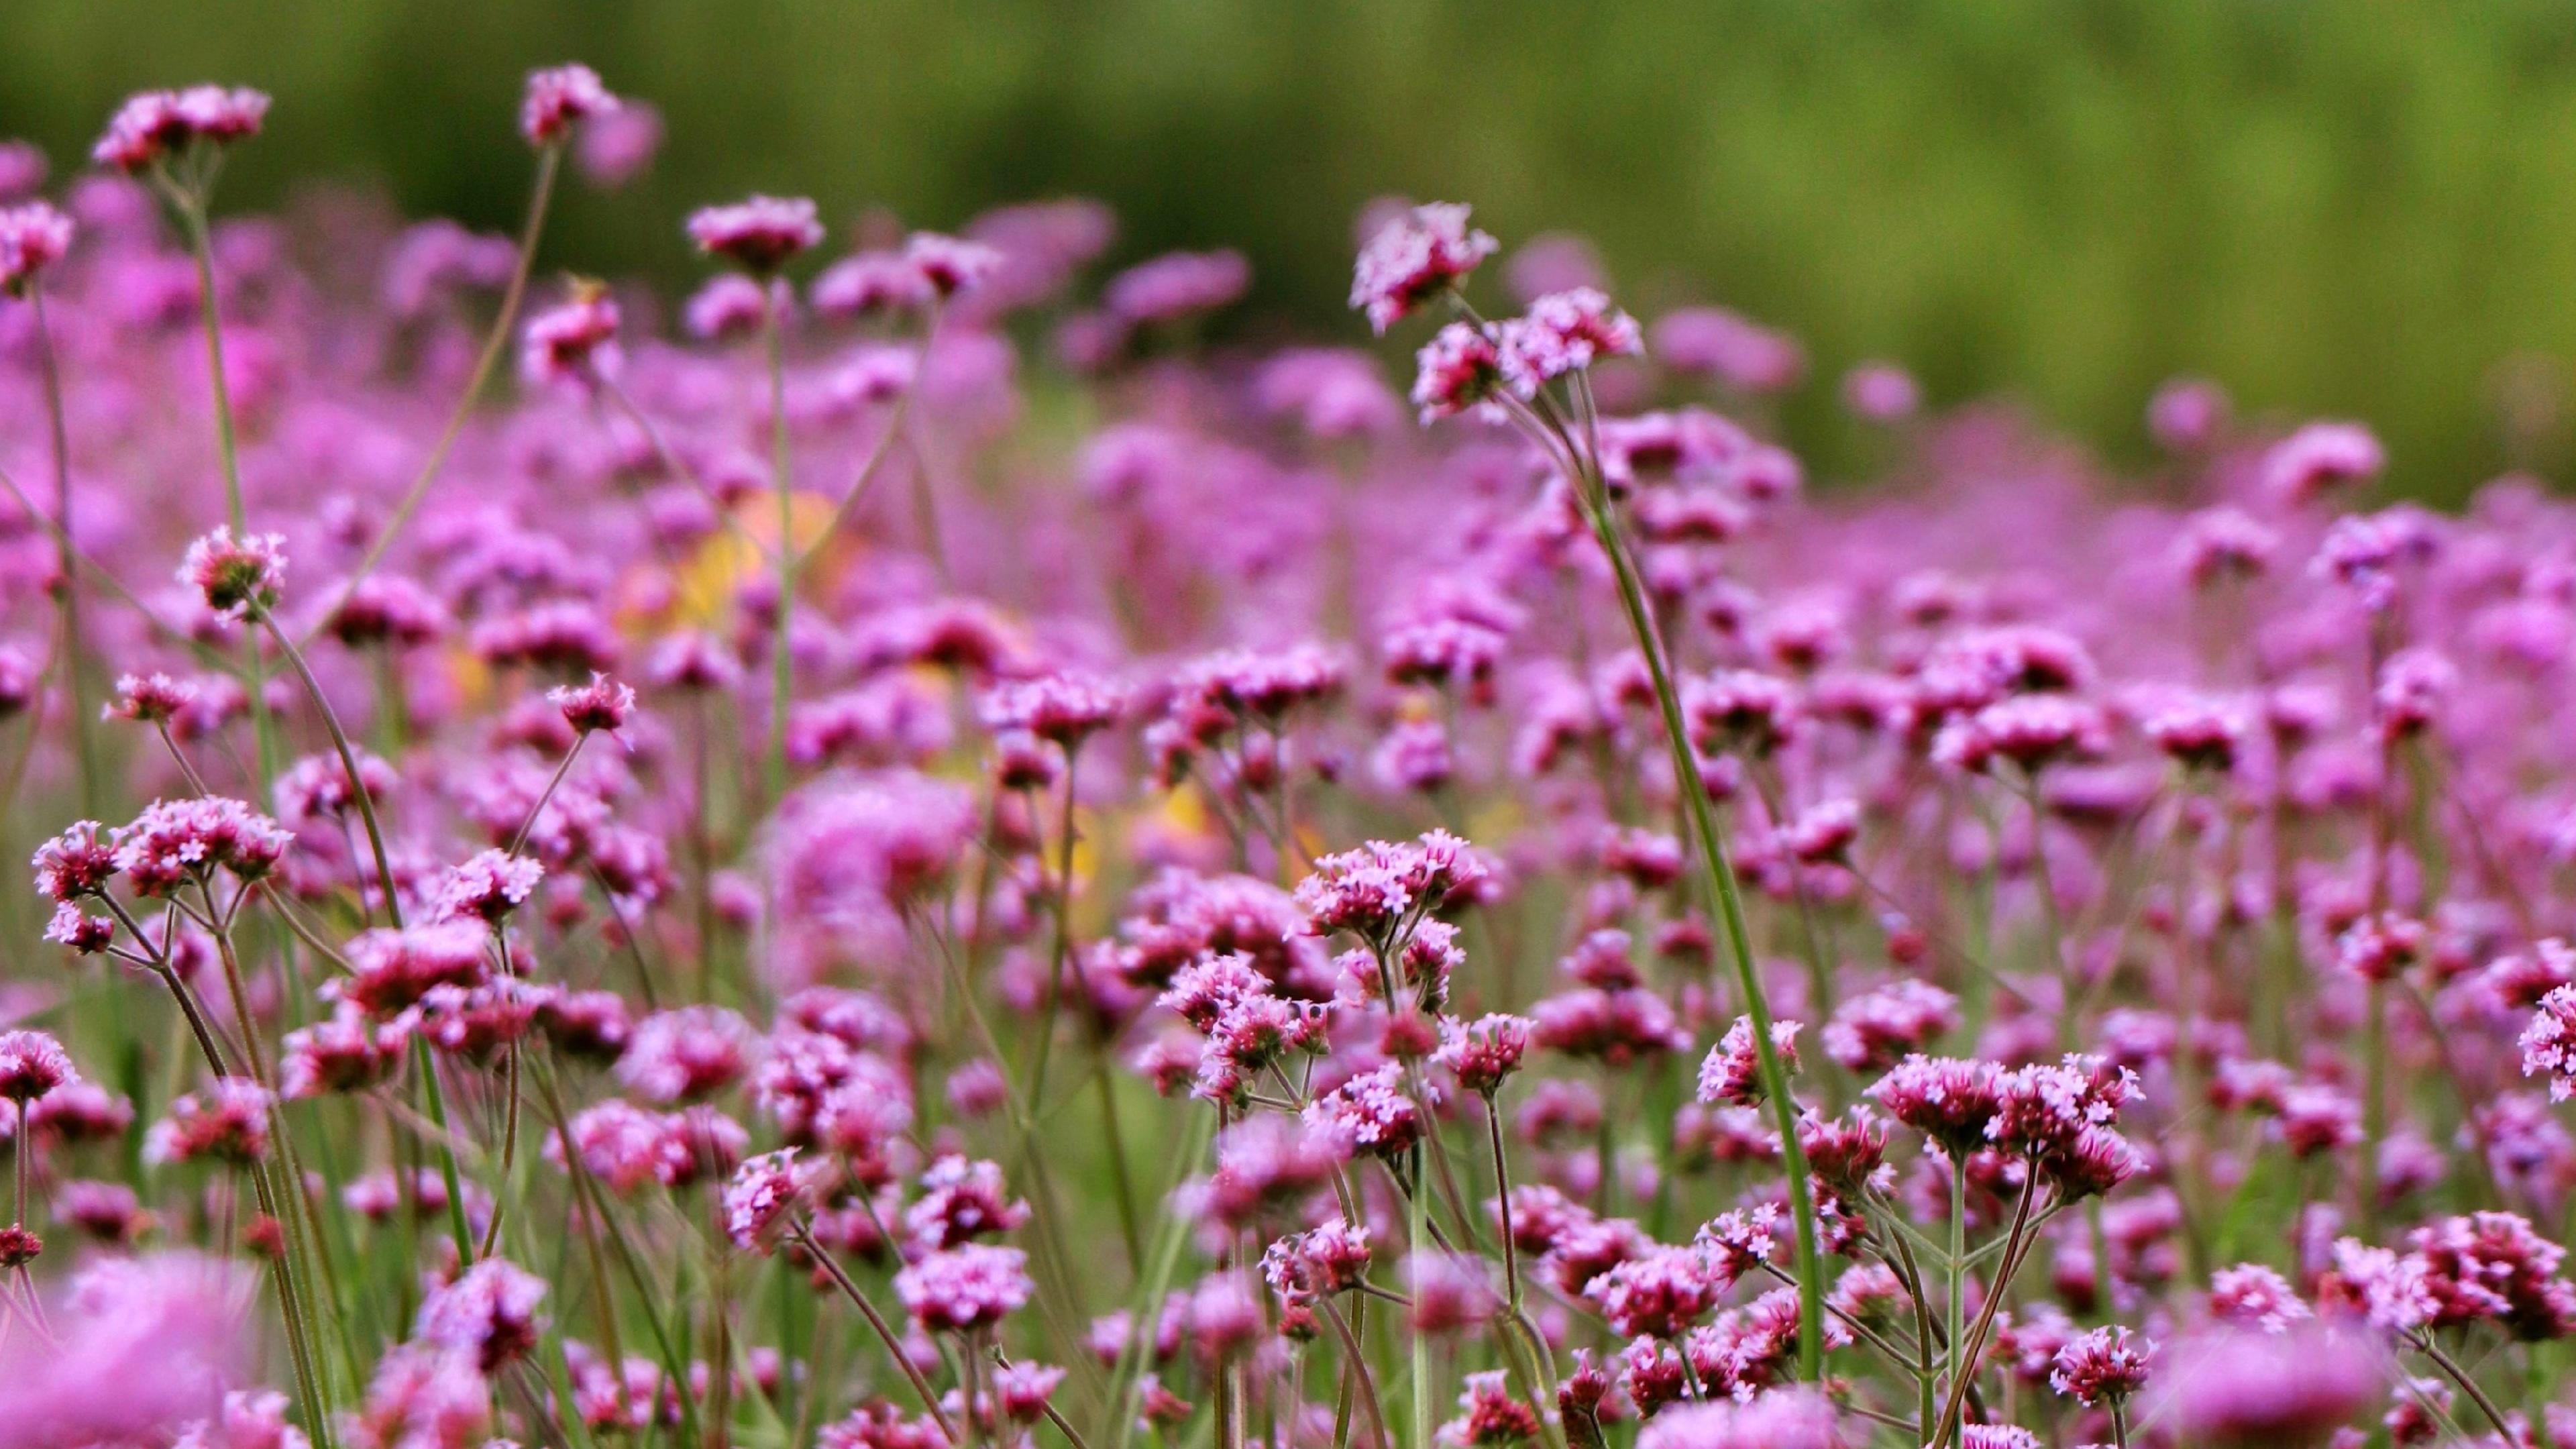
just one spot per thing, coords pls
(1881, 392)
(1413, 258)
(760, 234)
(33, 237)
(559, 100)
(153, 126)
(2288, 1390)
(136, 1348)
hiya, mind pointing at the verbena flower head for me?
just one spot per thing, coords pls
(686, 1053)
(1485, 1052)
(156, 126)
(575, 342)
(32, 1064)
(559, 99)
(1563, 333)
(32, 237)
(1951, 1100)
(2251, 1295)
(2243, 1389)
(1457, 372)
(489, 886)
(489, 1312)
(174, 842)
(766, 1194)
(759, 235)
(1731, 1073)
(1786, 1418)
(238, 577)
(229, 1123)
(1178, 284)
(2318, 457)
(2108, 1363)
(602, 704)
(1413, 259)
(950, 265)
(964, 1289)
(1660, 1294)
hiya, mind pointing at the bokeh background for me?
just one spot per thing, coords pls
(2353, 209)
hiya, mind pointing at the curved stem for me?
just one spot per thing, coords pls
(2451, 1369)
(1964, 1353)
(549, 161)
(348, 763)
(884, 1331)
(1360, 1369)
(1503, 1197)
(1730, 902)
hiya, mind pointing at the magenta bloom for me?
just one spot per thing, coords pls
(1178, 284)
(1732, 1071)
(765, 1195)
(1413, 258)
(575, 342)
(1482, 1053)
(32, 237)
(154, 126)
(32, 1063)
(489, 1312)
(1881, 392)
(1788, 1418)
(137, 1348)
(2292, 1390)
(560, 99)
(960, 1290)
(1735, 350)
(1563, 333)
(2108, 1363)
(602, 704)
(2318, 457)
(238, 576)
(950, 265)
(759, 235)
(228, 1124)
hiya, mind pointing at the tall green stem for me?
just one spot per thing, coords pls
(549, 161)
(1730, 905)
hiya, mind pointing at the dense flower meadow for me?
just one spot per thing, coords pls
(914, 857)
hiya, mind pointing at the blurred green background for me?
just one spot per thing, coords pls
(2355, 210)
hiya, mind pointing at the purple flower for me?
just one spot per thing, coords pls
(1561, 334)
(1732, 1071)
(238, 576)
(32, 1064)
(765, 1195)
(154, 126)
(1413, 258)
(1458, 371)
(32, 237)
(559, 100)
(2318, 457)
(2108, 1363)
(760, 234)
(2232, 1387)
(489, 1312)
(961, 1290)
(1178, 284)
(573, 343)
(602, 704)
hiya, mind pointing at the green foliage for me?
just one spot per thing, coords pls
(2344, 209)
